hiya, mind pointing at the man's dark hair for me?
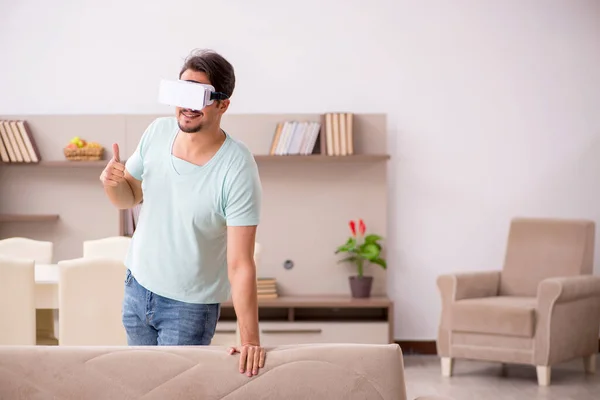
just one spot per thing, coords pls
(218, 70)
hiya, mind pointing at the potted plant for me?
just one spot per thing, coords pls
(362, 250)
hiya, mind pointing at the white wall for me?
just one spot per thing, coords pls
(493, 105)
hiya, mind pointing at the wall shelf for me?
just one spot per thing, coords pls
(260, 158)
(317, 158)
(60, 164)
(28, 217)
(74, 164)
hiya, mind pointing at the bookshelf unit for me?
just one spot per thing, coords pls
(307, 203)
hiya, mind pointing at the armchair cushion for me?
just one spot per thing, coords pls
(499, 315)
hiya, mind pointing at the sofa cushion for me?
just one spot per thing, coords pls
(501, 315)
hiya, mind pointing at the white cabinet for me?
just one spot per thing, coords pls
(305, 320)
(284, 333)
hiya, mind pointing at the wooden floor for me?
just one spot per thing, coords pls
(474, 380)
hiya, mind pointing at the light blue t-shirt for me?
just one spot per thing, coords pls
(179, 248)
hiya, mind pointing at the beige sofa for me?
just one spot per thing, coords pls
(542, 309)
(320, 371)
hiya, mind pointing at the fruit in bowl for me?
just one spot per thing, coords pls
(78, 142)
(80, 149)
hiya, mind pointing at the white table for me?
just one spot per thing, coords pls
(46, 290)
(46, 274)
(46, 286)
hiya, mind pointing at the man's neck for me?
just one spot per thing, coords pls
(199, 142)
(197, 147)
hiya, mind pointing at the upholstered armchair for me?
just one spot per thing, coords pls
(541, 309)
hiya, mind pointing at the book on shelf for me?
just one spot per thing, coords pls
(332, 136)
(266, 288)
(295, 138)
(17, 144)
(339, 134)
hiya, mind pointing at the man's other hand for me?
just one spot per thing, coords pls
(252, 357)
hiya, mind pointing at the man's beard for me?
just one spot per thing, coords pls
(192, 128)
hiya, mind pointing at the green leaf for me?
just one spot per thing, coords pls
(372, 238)
(369, 251)
(380, 261)
(349, 245)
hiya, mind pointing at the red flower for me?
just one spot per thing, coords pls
(352, 227)
(361, 227)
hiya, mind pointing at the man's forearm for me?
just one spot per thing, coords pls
(121, 196)
(245, 303)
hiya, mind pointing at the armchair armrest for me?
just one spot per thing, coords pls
(468, 285)
(568, 314)
(565, 289)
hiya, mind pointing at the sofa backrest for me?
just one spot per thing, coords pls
(540, 248)
(295, 372)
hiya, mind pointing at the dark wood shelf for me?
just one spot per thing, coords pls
(321, 301)
(28, 217)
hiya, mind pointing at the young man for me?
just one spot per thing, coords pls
(195, 236)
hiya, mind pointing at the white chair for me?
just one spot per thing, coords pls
(90, 297)
(17, 301)
(111, 247)
(39, 251)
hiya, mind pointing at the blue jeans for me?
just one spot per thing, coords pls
(150, 319)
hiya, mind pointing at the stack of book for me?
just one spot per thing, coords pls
(17, 144)
(267, 288)
(339, 134)
(333, 135)
(295, 138)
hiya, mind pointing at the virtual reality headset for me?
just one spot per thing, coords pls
(187, 94)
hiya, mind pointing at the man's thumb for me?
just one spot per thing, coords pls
(116, 152)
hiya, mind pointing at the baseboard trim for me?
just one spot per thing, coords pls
(427, 347)
(418, 347)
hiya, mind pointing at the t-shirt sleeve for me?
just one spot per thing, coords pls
(135, 163)
(243, 195)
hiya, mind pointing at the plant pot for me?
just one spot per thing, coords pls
(360, 287)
